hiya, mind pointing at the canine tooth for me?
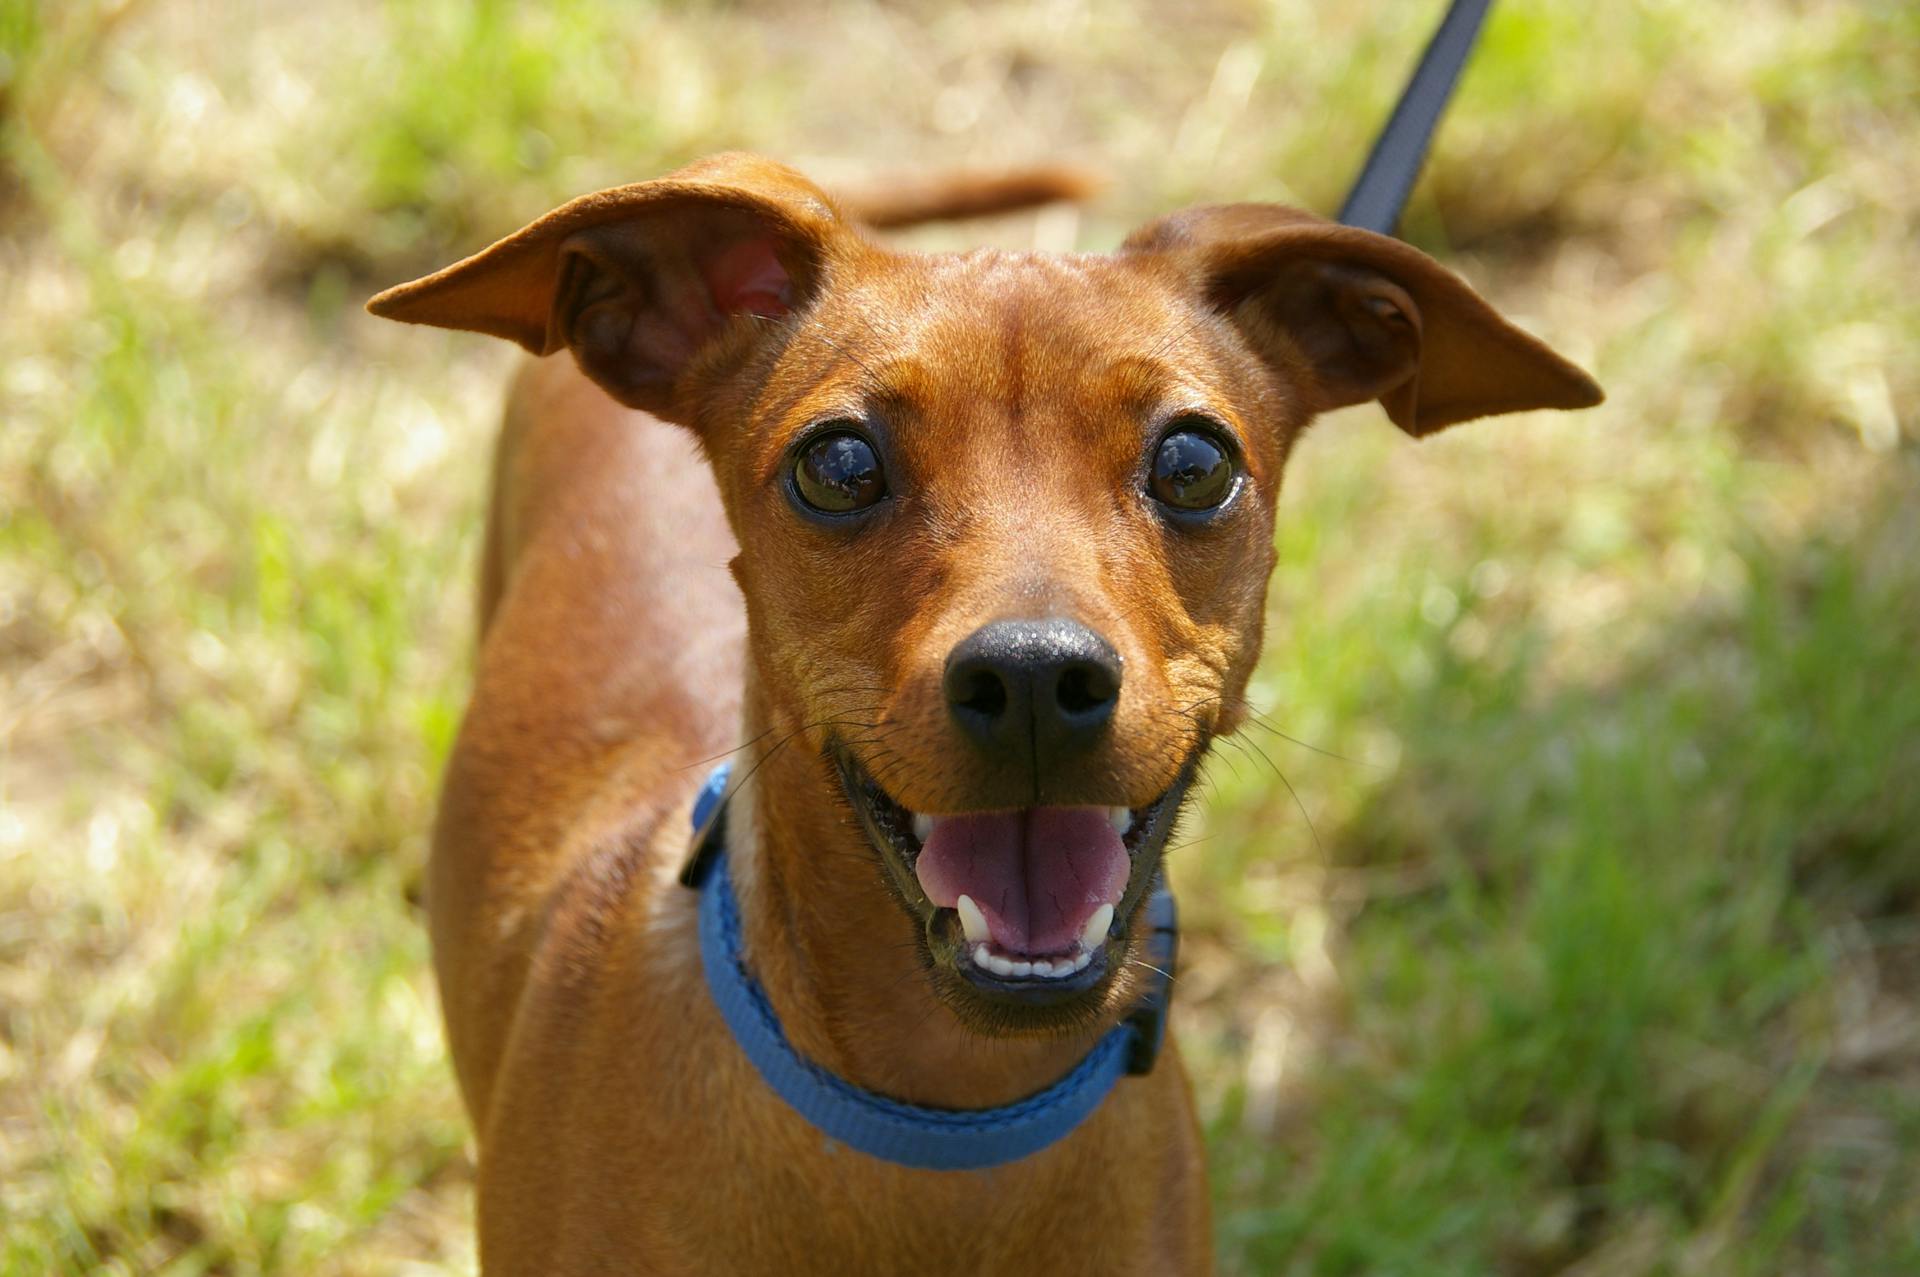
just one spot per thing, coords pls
(972, 921)
(999, 965)
(1024, 967)
(1121, 819)
(981, 958)
(1080, 963)
(1095, 933)
(1043, 967)
(922, 827)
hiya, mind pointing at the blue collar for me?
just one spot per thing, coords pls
(907, 1134)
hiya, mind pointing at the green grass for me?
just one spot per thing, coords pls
(1618, 956)
(1579, 936)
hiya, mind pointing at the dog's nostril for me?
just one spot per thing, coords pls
(982, 692)
(1024, 686)
(1085, 688)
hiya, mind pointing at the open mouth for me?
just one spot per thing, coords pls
(1026, 906)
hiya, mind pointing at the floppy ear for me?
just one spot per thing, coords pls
(641, 281)
(1353, 316)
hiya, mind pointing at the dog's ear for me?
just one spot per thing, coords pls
(643, 282)
(1350, 316)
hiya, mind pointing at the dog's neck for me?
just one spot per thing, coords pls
(836, 952)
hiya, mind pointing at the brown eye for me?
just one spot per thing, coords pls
(838, 473)
(1191, 470)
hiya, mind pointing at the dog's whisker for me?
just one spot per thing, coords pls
(1262, 720)
(725, 753)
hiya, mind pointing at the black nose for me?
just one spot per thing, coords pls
(1046, 686)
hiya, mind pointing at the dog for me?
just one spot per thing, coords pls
(998, 527)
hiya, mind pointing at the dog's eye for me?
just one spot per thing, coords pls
(1192, 469)
(838, 473)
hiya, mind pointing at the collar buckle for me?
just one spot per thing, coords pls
(709, 828)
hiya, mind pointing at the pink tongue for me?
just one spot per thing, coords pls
(1037, 875)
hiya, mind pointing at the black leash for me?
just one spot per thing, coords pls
(1387, 178)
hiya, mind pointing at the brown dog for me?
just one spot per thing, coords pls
(1002, 525)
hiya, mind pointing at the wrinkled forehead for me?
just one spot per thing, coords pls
(1008, 338)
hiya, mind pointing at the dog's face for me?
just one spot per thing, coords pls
(1006, 520)
(1005, 527)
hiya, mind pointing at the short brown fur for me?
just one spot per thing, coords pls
(639, 616)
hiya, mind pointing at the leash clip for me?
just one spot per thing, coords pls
(1148, 1019)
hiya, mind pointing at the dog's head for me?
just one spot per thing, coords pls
(1006, 519)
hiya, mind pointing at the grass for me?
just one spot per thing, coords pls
(1587, 946)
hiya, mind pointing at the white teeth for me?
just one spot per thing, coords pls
(985, 959)
(1095, 933)
(1121, 819)
(1055, 969)
(972, 921)
(922, 828)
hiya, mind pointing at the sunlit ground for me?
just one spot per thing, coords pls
(1564, 915)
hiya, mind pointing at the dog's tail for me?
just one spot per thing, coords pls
(956, 195)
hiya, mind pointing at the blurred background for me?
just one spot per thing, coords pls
(1563, 916)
